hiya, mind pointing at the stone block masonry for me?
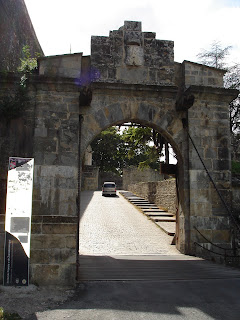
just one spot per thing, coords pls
(53, 254)
(52, 120)
(197, 74)
(162, 193)
(133, 175)
(129, 77)
(132, 56)
(68, 65)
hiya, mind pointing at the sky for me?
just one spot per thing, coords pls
(192, 25)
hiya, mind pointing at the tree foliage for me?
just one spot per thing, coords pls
(215, 56)
(232, 81)
(13, 104)
(143, 145)
(138, 146)
(108, 151)
(28, 63)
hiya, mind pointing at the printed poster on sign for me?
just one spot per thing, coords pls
(18, 221)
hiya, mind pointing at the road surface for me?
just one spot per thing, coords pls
(113, 226)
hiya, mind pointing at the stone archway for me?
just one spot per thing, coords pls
(130, 76)
(158, 112)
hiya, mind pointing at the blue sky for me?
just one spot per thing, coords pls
(192, 25)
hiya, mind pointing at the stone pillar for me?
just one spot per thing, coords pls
(55, 190)
(208, 124)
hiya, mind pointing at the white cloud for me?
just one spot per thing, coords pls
(191, 25)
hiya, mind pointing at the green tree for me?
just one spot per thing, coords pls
(141, 149)
(27, 64)
(109, 152)
(135, 145)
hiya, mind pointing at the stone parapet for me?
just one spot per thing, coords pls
(198, 74)
(67, 65)
(129, 55)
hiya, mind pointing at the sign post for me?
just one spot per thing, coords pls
(18, 221)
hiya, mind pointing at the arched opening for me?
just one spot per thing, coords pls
(99, 247)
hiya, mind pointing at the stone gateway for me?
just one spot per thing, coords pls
(130, 76)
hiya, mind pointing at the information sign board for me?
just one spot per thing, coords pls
(18, 221)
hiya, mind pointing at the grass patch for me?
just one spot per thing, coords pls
(8, 316)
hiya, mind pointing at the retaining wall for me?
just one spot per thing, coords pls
(133, 175)
(162, 193)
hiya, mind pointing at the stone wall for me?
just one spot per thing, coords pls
(110, 176)
(16, 139)
(16, 31)
(130, 76)
(236, 196)
(90, 177)
(208, 125)
(133, 175)
(48, 132)
(53, 250)
(132, 56)
(68, 65)
(198, 74)
(162, 193)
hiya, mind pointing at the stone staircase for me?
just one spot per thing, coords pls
(161, 217)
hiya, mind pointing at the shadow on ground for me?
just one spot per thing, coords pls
(180, 289)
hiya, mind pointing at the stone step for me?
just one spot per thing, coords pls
(148, 208)
(139, 202)
(163, 219)
(168, 227)
(158, 214)
(154, 210)
(135, 199)
(144, 203)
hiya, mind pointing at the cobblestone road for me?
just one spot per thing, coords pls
(113, 226)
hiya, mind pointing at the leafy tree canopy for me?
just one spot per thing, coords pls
(115, 149)
(108, 151)
(28, 63)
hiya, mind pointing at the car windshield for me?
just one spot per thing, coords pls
(109, 185)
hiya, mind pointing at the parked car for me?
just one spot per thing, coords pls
(109, 188)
